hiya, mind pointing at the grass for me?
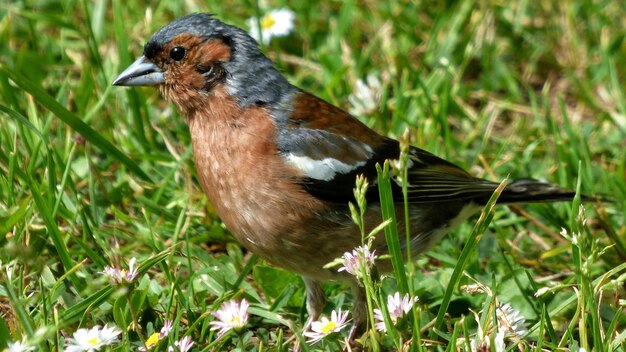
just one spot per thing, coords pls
(92, 175)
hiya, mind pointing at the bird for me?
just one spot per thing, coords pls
(279, 164)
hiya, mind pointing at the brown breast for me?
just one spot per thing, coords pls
(247, 182)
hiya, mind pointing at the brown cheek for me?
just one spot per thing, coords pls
(182, 87)
(190, 78)
(206, 54)
(213, 51)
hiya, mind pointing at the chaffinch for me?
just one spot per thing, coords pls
(279, 164)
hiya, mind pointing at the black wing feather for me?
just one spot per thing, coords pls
(431, 179)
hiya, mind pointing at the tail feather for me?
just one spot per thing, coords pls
(529, 190)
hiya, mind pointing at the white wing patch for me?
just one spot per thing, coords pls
(323, 170)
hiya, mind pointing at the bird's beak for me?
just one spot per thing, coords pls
(142, 72)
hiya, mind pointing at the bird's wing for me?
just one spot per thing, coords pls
(329, 148)
(329, 163)
(432, 179)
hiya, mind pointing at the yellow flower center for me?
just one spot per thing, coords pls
(235, 320)
(329, 327)
(94, 341)
(152, 340)
(267, 22)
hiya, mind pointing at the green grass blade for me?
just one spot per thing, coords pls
(391, 231)
(18, 308)
(483, 222)
(74, 313)
(74, 122)
(53, 230)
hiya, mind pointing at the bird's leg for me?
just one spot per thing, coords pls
(359, 311)
(315, 300)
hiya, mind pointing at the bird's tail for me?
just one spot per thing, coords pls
(528, 190)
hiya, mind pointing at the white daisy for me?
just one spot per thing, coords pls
(358, 260)
(365, 98)
(119, 276)
(398, 308)
(324, 327)
(19, 346)
(166, 329)
(510, 321)
(232, 315)
(92, 339)
(183, 345)
(277, 23)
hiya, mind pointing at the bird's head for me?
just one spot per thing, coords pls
(197, 57)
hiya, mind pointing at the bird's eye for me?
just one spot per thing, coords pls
(178, 53)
